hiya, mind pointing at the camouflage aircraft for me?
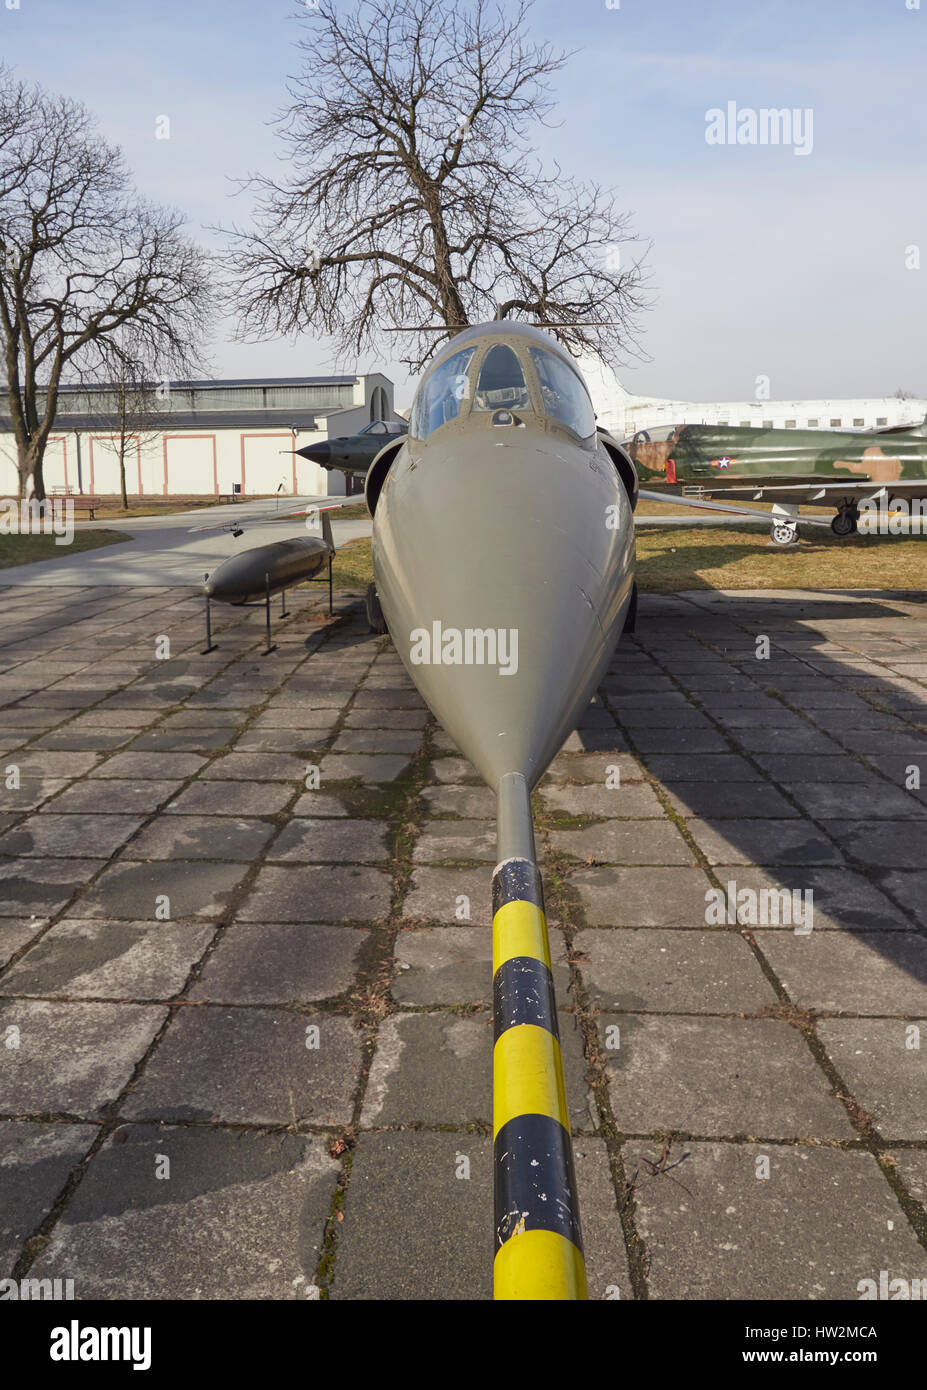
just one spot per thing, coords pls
(354, 453)
(820, 467)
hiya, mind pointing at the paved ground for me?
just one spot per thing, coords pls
(244, 1025)
(170, 549)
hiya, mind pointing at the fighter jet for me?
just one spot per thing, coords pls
(354, 453)
(503, 559)
(822, 467)
(503, 556)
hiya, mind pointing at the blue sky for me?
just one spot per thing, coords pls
(763, 261)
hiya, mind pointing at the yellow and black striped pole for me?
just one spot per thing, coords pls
(538, 1243)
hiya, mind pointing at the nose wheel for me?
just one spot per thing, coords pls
(375, 619)
(784, 533)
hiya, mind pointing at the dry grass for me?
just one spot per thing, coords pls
(737, 558)
(24, 550)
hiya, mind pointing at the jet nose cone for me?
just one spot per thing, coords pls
(504, 590)
(320, 453)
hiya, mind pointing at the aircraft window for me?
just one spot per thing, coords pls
(378, 427)
(563, 393)
(440, 395)
(501, 384)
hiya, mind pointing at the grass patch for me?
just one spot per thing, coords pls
(737, 558)
(354, 511)
(353, 567)
(25, 550)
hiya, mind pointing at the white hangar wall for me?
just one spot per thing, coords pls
(258, 456)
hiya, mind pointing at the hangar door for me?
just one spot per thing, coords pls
(104, 463)
(266, 462)
(191, 464)
(55, 466)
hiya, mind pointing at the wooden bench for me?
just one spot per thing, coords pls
(80, 501)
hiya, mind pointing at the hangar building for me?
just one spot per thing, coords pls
(203, 437)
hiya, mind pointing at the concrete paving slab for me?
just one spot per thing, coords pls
(629, 800)
(368, 767)
(119, 796)
(250, 1066)
(163, 890)
(639, 897)
(71, 1059)
(139, 766)
(256, 767)
(386, 1250)
(653, 970)
(728, 800)
(316, 894)
(331, 840)
(859, 973)
(42, 886)
(449, 897)
(210, 799)
(911, 1167)
(430, 1069)
(821, 1222)
(717, 1076)
(763, 842)
(168, 1212)
(443, 840)
(36, 1161)
(47, 834)
(624, 842)
(900, 844)
(280, 963)
(203, 837)
(15, 933)
(115, 960)
(839, 802)
(453, 770)
(883, 1070)
(839, 899)
(701, 767)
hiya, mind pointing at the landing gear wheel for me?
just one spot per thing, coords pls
(783, 533)
(375, 619)
(630, 618)
(844, 523)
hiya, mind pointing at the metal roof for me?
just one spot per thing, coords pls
(217, 383)
(172, 422)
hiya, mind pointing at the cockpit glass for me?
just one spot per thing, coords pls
(501, 384)
(441, 394)
(563, 393)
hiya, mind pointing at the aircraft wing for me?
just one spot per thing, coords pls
(824, 494)
(312, 509)
(780, 514)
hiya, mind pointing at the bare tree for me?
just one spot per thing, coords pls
(81, 255)
(414, 196)
(133, 414)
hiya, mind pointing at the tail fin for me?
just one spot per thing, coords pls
(327, 532)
